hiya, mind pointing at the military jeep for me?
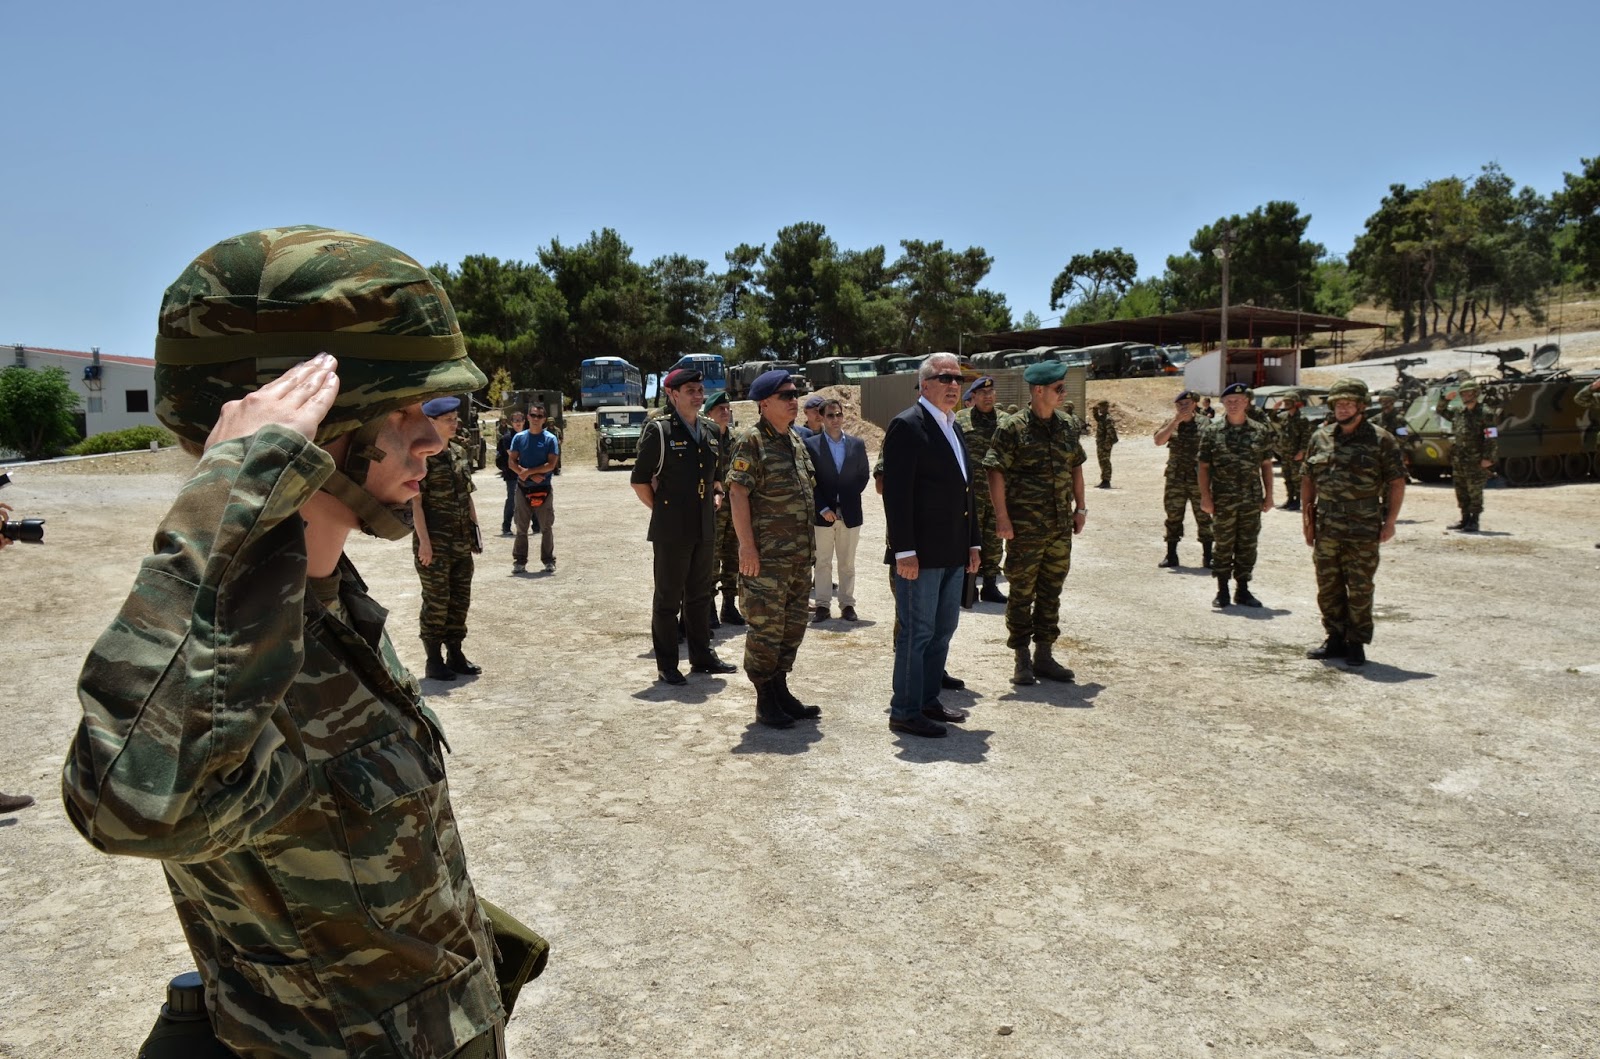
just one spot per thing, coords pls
(617, 433)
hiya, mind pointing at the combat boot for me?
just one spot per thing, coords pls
(768, 711)
(1293, 504)
(10, 803)
(1023, 673)
(458, 661)
(1172, 555)
(791, 705)
(1105, 483)
(1242, 595)
(1462, 523)
(1355, 654)
(1333, 647)
(1222, 599)
(1469, 524)
(1205, 553)
(730, 607)
(1046, 666)
(436, 669)
(990, 592)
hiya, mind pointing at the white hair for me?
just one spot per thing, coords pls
(929, 369)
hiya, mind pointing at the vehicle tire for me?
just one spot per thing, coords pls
(1575, 466)
(602, 460)
(1547, 468)
(1518, 470)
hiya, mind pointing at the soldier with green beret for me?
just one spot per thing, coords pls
(719, 409)
(1181, 435)
(1035, 469)
(1105, 437)
(1473, 450)
(446, 535)
(246, 720)
(1351, 493)
(978, 421)
(1235, 475)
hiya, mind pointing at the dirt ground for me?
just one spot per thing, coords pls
(1209, 846)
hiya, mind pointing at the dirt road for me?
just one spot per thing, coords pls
(1208, 847)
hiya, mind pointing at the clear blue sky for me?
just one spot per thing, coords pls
(135, 135)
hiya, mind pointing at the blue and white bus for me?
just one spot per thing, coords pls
(713, 371)
(609, 381)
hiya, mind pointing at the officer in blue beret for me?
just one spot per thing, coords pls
(445, 536)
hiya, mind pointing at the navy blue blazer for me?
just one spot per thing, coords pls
(841, 489)
(927, 502)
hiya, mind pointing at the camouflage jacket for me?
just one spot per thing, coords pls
(1105, 428)
(777, 470)
(1472, 430)
(1394, 421)
(1233, 456)
(978, 429)
(1036, 457)
(1586, 397)
(1183, 450)
(254, 730)
(1294, 432)
(1351, 475)
(446, 488)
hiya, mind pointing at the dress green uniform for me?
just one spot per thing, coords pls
(1233, 455)
(447, 580)
(1472, 441)
(979, 428)
(1105, 437)
(1182, 488)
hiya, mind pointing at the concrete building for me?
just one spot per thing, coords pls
(114, 392)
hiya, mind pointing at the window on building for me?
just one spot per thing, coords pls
(138, 400)
(96, 405)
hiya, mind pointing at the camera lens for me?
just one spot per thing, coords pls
(28, 529)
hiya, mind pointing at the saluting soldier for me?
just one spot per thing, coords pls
(1352, 492)
(1235, 474)
(1181, 435)
(1105, 437)
(978, 421)
(1473, 450)
(444, 537)
(1035, 469)
(720, 411)
(675, 477)
(770, 483)
(1294, 430)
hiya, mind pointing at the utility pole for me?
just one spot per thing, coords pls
(1221, 253)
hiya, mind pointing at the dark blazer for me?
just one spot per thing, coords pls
(685, 504)
(840, 490)
(927, 503)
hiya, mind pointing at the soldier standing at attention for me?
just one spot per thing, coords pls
(1473, 451)
(770, 481)
(1105, 437)
(510, 426)
(1352, 492)
(445, 535)
(1035, 469)
(1235, 475)
(978, 421)
(1181, 435)
(1294, 431)
(720, 411)
(675, 476)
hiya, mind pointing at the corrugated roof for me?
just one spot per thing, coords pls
(148, 362)
(1197, 326)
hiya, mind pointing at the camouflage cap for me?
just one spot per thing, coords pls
(1388, 394)
(1348, 388)
(1468, 386)
(253, 306)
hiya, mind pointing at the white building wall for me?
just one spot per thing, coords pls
(106, 404)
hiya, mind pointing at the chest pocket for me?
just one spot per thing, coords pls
(385, 791)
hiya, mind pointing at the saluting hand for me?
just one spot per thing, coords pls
(297, 399)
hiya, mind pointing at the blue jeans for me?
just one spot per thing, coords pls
(929, 608)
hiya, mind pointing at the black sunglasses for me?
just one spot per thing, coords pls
(945, 378)
(787, 395)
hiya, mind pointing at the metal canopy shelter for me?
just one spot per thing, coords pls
(1246, 323)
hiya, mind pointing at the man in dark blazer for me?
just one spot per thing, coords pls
(840, 460)
(934, 541)
(675, 476)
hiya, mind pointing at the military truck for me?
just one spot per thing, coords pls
(839, 371)
(617, 433)
(740, 376)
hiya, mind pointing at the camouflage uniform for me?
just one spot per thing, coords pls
(979, 429)
(727, 539)
(1183, 486)
(1294, 431)
(1105, 436)
(1233, 456)
(1036, 457)
(1471, 443)
(776, 469)
(447, 580)
(1351, 475)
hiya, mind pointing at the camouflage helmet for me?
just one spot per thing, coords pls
(1388, 393)
(1348, 388)
(253, 306)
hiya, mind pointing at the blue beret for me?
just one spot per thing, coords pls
(816, 400)
(977, 384)
(1236, 388)
(440, 406)
(767, 384)
(1044, 372)
(1187, 395)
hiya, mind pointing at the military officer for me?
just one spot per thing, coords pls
(770, 482)
(1294, 430)
(445, 536)
(1473, 450)
(1235, 476)
(1181, 435)
(675, 476)
(1035, 469)
(978, 421)
(1352, 491)
(719, 410)
(1105, 437)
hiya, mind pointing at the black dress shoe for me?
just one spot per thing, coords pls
(713, 665)
(848, 614)
(950, 683)
(938, 711)
(917, 726)
(671, 676)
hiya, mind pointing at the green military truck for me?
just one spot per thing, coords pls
(617, 433)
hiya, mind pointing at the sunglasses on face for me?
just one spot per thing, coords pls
(787, 395)
(945, 377)
(1059, 388)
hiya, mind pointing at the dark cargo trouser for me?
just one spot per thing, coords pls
(775, 611)
(993, 550)
(1103, 454)
(1178, 495)
(1236, 531)
(1345, 573)
(684, 582)
(1036, 568)
(446, 592)
(1469, 476)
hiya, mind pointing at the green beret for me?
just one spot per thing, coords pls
(720, 397)
(1044, 372)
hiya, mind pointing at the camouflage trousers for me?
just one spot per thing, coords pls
(1178, 495)
(446, 592)
(1236, 531)
(1291, 476)
(1103, 454)
(727, 559)
(775, 612)
(1036, 568)
(993, 552)
(1345, 573)
(1469, 477)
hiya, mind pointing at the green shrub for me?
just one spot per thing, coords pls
(130, 440)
